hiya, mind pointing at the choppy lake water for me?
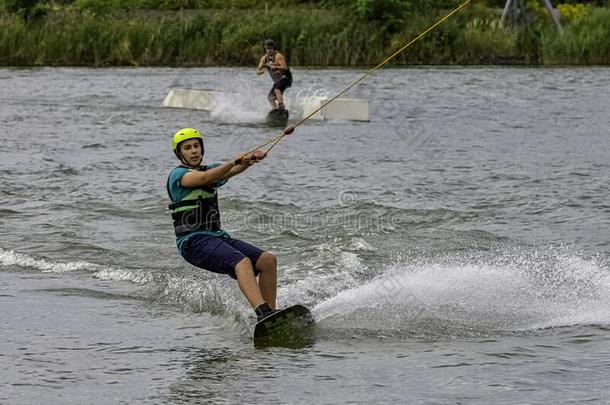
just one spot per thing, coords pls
(455, 249)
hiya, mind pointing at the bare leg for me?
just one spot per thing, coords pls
(279, 97)
(267, 280)
(272, 99)
(247, 283)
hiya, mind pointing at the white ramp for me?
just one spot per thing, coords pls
(340, 109)
(350, 109)
(189, 98)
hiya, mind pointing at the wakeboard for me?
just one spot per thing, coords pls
(288, 327)
(278, 117)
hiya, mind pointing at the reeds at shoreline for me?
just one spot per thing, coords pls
(308, 36)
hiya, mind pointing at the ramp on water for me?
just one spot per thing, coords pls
(340, 109)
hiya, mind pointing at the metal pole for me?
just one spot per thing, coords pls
(506, 8)
(554, 14)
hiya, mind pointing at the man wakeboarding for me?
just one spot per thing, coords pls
(193, 190)
(278, 69)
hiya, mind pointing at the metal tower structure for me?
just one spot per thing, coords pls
(514, 11)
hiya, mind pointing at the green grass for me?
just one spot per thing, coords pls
(224, 37)
(309, 37)
(586, 41)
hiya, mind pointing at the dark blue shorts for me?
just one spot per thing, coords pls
(281, 85)
(219, 254)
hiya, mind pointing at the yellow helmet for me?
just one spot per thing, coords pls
(185, 134)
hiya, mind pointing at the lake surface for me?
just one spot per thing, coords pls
(454, 249)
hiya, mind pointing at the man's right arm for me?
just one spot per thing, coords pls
(261, 65)
(195, 178)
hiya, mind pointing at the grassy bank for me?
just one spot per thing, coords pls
(311, 36)
(220, 37)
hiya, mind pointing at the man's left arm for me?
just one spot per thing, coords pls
(280, 62)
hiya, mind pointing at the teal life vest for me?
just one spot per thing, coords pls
(197, 211)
